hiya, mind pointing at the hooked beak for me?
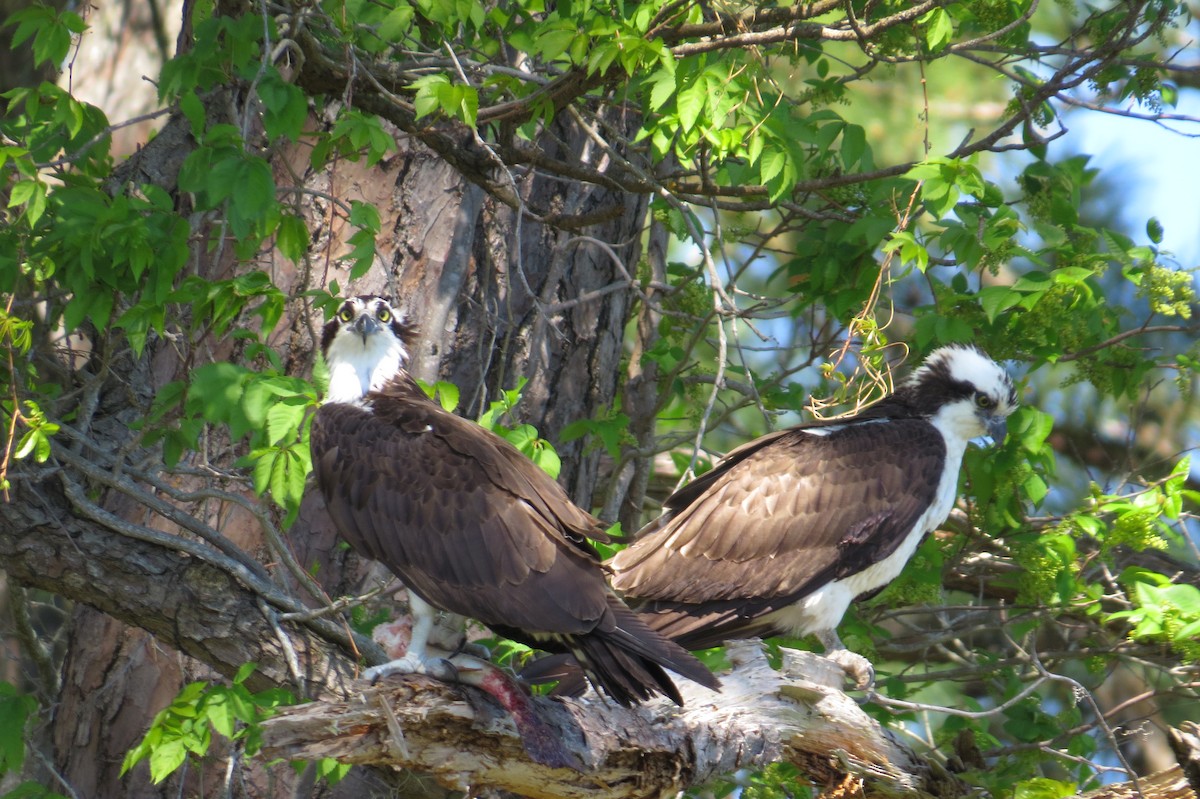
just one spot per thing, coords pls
(365, 325)
(997, 428)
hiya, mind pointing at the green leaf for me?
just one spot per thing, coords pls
(219, 713)
(397, 24)
(1072, 275)
(215, 393)
(467, 105)
(546, 458)
(928, 170)
(365, 216)
(285, 106)
(282, 471)
(26, 445)
(264, 467)
(602, 56)
(193, 110)
(15, 709)
(662, 83)
(1154, 230)
(771, 165)
(288, 486)
(292, 238)
(689, 103)
(854, 144)
(165, 758)
(1033, 282)
(331, 770)
(1184, 596)
(244, 672)
(1187, 632)
(911, 250)
(1043, 788)
(255, 190)
(29, 21)
(996, 299)
(284, 418)
(1035, 488)
(31, 194)
(52, 44)
(447, 395)
(553, 42)
(523, 437)
(429, 91)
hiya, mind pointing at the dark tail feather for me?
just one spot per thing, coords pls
(561, 668)
(628, 660)
(634, 635)
(627, 679)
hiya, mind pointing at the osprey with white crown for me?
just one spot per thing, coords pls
(469, 524)
(786, 531)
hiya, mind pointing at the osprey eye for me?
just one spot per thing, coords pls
(985, 402)
(346, 314)
(384, 315)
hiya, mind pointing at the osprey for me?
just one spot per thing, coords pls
(468, 523)
(786, 531)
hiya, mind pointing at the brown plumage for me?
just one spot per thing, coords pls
(473, 527)
(777, 519)
(790, 528)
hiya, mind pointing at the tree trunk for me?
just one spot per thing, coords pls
(498, 296)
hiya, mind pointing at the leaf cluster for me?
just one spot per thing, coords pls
(184, 728)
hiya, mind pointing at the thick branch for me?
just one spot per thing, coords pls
(1169, 784)
(761, 716)
(187, 602)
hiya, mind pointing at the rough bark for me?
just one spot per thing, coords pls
(761, 716)
(1168, 784)
(196, 602)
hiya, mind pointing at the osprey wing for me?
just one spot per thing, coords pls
(779, 518)
(473, 527)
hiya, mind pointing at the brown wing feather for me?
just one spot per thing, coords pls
(773, 523)
(474, 527)
(444, 505)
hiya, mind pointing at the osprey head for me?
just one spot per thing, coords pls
(365, 344)
(964, 391)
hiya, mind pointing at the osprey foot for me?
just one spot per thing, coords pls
(857, 668)
(438, 668)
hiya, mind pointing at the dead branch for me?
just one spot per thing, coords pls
(761, 716)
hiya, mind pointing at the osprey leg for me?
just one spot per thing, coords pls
(855, 665)
(417, 658)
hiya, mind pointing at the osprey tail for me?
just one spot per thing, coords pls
(627, 661)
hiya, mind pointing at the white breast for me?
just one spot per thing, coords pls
(823, 609)
(356, 368)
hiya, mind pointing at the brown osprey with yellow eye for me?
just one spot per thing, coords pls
(468, 523)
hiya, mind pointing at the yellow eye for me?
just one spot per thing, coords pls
(385, 315)
(346, 314)
(984, 401)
